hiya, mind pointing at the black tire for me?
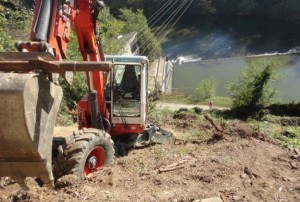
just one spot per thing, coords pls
(77, 156)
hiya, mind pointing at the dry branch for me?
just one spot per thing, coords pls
(212, 123)
(174, 166)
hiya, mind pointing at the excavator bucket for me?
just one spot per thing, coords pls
(29, 105)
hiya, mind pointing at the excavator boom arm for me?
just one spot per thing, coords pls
(31, 101)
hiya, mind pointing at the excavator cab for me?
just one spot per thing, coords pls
(127, 82)
(127, 85)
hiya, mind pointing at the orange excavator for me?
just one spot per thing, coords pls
(111, 118)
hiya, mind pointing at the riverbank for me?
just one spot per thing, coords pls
(225, 71)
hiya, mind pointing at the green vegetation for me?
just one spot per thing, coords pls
(273, 9)
(110, 28)
(127, 21)
(136, 21)
(284, 129)
(6, 43)
(219, 101)
(186, 99)
(177, 98)
(190, 124)
(206, 89)
(252, 89)
(73, 93)
(14, 19)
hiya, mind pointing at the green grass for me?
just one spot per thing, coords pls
(177, 98)
(219, 101)
(288, 136)
(161, 117)
(186, 99)
(271, 125)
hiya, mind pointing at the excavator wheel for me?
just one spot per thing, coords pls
(83, 153)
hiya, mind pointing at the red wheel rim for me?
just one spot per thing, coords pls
(95, 160)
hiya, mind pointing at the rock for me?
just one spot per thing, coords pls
(244, 175)
(297, 152)
(295, 157)
(265, 184)
(183, 110)
(152, 199)
(216, 199)
(294, 165)
(4, 181)
(157, 182)
(290, 148)
(236, 198)
(198, 110)
(207, 179)
(248, 172)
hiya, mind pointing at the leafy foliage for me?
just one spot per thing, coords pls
(14, 19)
(127, 21)
(206, 89)
(6, 43)
(76, 91)
(275, 9)
(253, 87)
(110, 28)
(71, 95)
(148, 43)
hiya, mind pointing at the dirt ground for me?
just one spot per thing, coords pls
(236, 163)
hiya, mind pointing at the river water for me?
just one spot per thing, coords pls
(219, 49)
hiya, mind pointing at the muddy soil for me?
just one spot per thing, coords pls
(236, 163)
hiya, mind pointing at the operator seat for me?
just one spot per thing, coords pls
(129, 83)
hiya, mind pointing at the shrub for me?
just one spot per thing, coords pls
(6, 43)
(252, 89)
(206, 89)
(78, 89)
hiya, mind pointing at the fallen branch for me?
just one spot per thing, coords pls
(197, 141)
(161, 170)
(212, 123)
(174, 166)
